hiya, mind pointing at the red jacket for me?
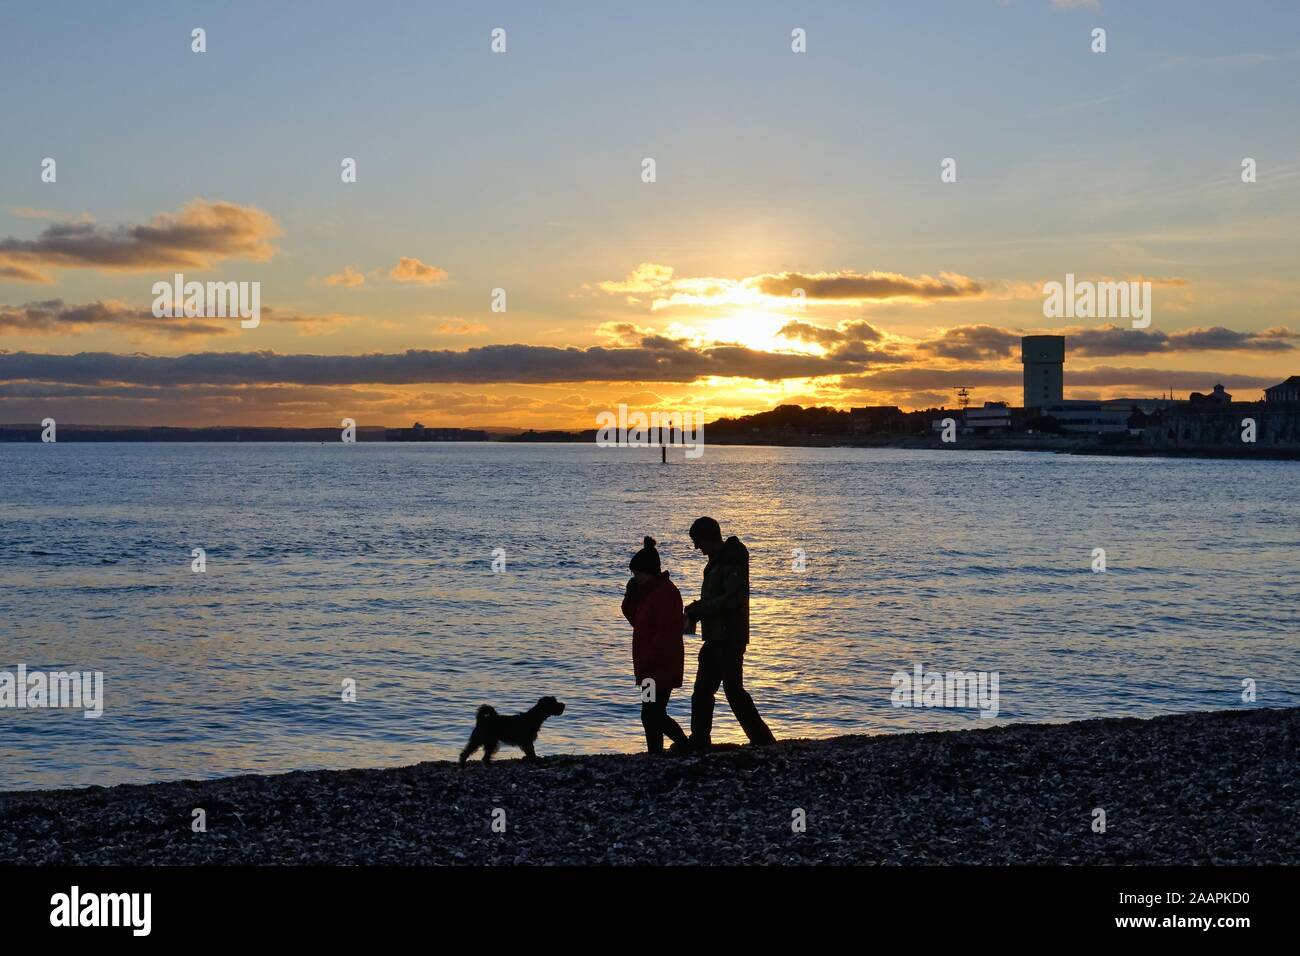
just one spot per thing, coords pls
(655, 612)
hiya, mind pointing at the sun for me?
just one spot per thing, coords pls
(756, 329)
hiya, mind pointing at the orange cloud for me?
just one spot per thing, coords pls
(461, 327)
(55, 317)
(663, 288)
(869, 286)
(349, 277)
(198, 236)
(410, 269)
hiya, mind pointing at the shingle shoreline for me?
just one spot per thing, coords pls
(1204, 788)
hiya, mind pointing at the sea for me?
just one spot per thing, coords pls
(357, 602)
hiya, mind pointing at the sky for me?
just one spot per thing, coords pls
(798, 242)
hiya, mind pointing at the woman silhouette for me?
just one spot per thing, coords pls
(653, 606)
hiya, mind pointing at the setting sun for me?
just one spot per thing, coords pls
(752, 328)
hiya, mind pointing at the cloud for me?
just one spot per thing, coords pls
(934, 378)
(853, 341)
(185, 403)
(1076, 4)
(988, 343)
(646, 277)
(854, 362)
(656, 359)
(54, 317)
(869, 286)
(410, 269)
(461, 327)
(462, 402)
(1161, 378)
(27, 212)
(924, 399)
(973, 343)
(1110, 340)
(22, 273)
(1278, 339)
(296, 405)
(853, 331)
(622, 333)
(662, 288)
(1153, 379)
(640, 399)
(976, 347)
(349, 278)
(201, 234)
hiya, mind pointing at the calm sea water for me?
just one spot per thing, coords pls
(373, 562)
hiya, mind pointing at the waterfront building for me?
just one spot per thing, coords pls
(1285, 393)
(1044, 378)
(994, 417)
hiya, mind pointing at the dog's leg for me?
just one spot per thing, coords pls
(470, 747)
(489, 748)
(529, 753)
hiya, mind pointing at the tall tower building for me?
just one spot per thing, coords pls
(1044, 360)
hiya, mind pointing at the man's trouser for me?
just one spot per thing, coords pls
(722, 662)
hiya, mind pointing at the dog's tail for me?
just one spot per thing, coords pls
(484, 711)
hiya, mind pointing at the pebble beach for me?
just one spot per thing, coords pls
(1203, 788)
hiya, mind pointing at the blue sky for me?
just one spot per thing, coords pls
(523, 171)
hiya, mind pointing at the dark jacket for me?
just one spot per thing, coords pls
(655, 613)
(723, 607)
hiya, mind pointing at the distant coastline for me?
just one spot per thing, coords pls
(715, 434)
(232, 433)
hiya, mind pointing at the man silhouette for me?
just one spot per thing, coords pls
(723, 614)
